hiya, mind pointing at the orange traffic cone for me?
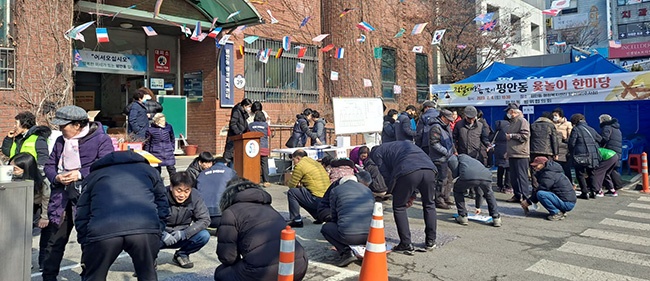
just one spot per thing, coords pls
(644, 172)
(287, 247)
(375, 264)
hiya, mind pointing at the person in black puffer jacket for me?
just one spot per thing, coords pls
(403, 127)
(237, 126)
(249, 236)
(123, 205)
(554, 191)
(388, 132)
(543, 137)
(583, 147)
(300, 131)
(612, 139)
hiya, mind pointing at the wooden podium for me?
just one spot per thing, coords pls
(246, 159)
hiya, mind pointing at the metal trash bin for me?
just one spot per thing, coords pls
(16, 211)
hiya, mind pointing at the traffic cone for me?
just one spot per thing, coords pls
(287, 255)
(375, 264)
(644, 172)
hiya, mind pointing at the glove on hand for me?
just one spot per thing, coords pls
(179, 235)
(169, 239)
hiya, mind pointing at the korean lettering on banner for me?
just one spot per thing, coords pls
(162, 61)
(227, 82)
(107, 60)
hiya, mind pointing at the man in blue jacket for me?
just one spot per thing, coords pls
(408, 169)
(403, 127)
(211, 183)
(351, 204)
(122, 207)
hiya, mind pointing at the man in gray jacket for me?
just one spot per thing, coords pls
(351, 204)
(188, 220)
(470, 173)
(518, 136)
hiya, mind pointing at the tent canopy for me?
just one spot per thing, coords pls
(592, 65)
(221, 9)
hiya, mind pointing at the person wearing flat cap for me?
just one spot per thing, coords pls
(469, 135)
(518, 140)
(440, 146)
(82, 143)
(554, 190)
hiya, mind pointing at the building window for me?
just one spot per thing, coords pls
(534, 36)
(422, 76)
(388, 76)
(7, 68)
(277, 81)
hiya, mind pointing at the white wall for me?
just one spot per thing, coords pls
(529, 15)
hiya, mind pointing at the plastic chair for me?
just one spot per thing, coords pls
(634, 159)
(627, 145)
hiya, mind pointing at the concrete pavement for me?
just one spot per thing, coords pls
(602, 239)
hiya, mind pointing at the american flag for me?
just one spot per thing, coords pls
(614, 44)
(489, 26)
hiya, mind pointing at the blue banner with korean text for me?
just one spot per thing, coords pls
(226, 79)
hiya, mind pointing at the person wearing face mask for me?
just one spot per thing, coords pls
(237, 126)
(554, 190)
(81, 144)
(138, 119)
(563, 128)
(518, 136)
(403, 128)
(388, 132)
(469, 135)
(441, 148)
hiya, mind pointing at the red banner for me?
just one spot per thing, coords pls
(162, 61)
(630, 50)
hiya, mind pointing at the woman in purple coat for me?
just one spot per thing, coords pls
(160, 142)
(81, 144)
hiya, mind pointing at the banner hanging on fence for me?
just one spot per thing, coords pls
(589, 88)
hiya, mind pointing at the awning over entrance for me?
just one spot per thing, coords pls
(210, 9)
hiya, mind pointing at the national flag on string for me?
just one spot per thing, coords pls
(418, 49)
(279, 53)
(239, 29)
(102, 35)
(77, 58)
(214, 22)
(264, 55)
(305, 21)
(319, 38)
(224, 39)
(197, 31)
(560, 4)
(484, 17)
(365, 26)
(273, 19)
(551, 12)
(560, 43)
(506, 46)
(286, 43)
(149, 31)
(339, 53)
(489, 26)
(300, 67)
(232, 15)
(461, 46)
(327, 48)
(418, 28)
(301, 52)
(75, 32)
(615, 44)
(437, 36)
(214, 33)
(202, 36)
(362, 39)
(345, 11)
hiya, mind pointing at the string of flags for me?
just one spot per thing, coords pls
(339, 53)
(304, 21)
(102, 35)
(488, 26)
(346, 11)
(418, 28)
(273, 19)
(365, 26)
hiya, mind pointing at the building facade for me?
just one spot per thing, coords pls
(584, 24)
(631, 26)
(51, 71)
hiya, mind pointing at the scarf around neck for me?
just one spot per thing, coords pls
(70, 159)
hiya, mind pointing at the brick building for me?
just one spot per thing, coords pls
(198, 69)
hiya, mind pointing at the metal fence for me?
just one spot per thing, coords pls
(277, 81)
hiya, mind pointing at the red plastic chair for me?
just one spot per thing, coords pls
(634, 159)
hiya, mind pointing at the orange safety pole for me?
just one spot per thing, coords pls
(287, 247)
(375, 263)
(644, 172)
